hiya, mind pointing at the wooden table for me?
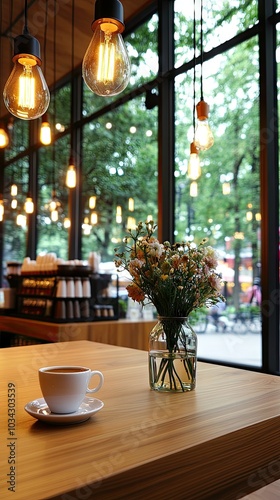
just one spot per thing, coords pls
(122, 332)
(220, 441)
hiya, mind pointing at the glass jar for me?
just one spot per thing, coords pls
(172, 355)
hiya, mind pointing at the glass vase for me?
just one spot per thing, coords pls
(172, 355)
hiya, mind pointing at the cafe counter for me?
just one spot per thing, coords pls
(122, 332)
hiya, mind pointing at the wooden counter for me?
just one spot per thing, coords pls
(122, 332)
(219, 442)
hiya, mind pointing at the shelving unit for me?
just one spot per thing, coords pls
(37, 298)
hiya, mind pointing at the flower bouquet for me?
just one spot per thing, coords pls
(177, 279)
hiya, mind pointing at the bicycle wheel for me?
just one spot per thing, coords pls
(255, 324)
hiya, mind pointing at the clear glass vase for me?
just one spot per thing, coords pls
(172, 355)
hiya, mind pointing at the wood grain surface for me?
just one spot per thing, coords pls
(269, 492)
(220, 441)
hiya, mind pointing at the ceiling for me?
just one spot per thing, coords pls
(12, 25)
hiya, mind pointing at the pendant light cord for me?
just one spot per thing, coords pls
(54, 89)
(201, 49)
(11, 20)
(194, 65)
(25, 28)
(45, 35)
(1, 17)
(73, 27)
(72, 75)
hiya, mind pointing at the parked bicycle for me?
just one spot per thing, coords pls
(246, 320)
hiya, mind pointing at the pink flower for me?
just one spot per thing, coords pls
(215, 282)
(210, 257)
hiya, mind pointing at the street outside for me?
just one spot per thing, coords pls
(234, 344)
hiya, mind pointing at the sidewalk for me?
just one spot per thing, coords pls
(230, 347)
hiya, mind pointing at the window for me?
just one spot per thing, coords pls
(236, 206)
(225, 206)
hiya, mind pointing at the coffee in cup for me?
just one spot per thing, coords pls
(64, 387)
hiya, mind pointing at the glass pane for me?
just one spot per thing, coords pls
(143, 53)
(226, 209)
(222, 20)
(60, 108)
(52, 236)
(14, 234)
(142, 49)
(19, 136)
(119, 163)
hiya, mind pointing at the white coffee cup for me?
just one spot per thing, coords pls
(64, 387)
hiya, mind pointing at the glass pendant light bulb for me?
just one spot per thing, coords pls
(249, 216)
(203, 137)
(93, 218)
(119, 214)
(131, 223)
(26, 94)
(71, 174)
(45, 131)
(194, 168)
(226, 188)
(54, 215)
(4, 138)
(119, 210)
(29, 205)
(52, 205)
(92, 202)
(131, 204)
(106, 65)
(14, 190)
(67, 223)
(14, 203)
(193, 189)
(1, 209)
(21, 220)
(86, 226)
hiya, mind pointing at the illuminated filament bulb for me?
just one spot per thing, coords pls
(54, 215)
(29, 205)
(106, 65)
(93, 218)
(194, 168)
(14, 190)
(203, 137)
(71, 178)
(131, 204)
(4, 138)
(45, 131)
(26, 98)
(92, 202)
(1, 210)
(106, 59)
(131, 223)
(193, 189)
(119, 214)
(67, 223)
(14, 203)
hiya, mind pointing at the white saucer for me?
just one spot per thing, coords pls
(40, 410)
